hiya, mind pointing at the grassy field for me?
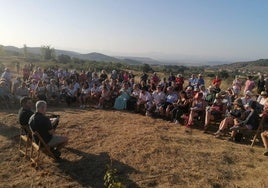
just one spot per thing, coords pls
(146, 152)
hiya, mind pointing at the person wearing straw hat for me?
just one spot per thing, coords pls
(262, 98)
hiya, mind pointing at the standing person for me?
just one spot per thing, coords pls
(260, 84)
(144, 77)
(200, 80)
(179, 81)
(42, 124)
(171, 79)
(216, 82)
(237, 85)
(25, 113)
(249, 85)
(192, 81)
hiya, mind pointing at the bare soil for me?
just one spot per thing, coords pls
(147, 152)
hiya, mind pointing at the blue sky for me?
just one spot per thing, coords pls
(211, 30)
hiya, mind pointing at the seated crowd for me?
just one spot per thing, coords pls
(174, 99)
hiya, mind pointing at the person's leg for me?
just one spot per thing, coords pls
(58, 142)
(264, 136)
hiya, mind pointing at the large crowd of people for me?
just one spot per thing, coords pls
(241, 106)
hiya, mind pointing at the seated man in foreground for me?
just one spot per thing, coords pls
(25, 113)
(42, 124)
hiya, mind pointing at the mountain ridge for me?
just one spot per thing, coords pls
(136, 60)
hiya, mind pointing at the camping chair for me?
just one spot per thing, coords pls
(39, 144)
(259, 130)
(25, 139)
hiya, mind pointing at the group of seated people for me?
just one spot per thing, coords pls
(152, 96)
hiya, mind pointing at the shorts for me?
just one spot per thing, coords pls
(56, 140)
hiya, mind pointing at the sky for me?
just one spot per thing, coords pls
(194, 30)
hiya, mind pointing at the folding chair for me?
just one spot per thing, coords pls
(259, 130)
(38, 145)
(25, 139)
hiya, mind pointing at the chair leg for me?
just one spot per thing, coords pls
(260, 128)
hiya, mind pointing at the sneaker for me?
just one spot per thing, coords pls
(218, 134)
(176, 122)
(56, 153)
(265, 153)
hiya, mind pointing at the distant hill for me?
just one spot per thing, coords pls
(138, 60)
(89, 56)
(94, 56)
(260, 65)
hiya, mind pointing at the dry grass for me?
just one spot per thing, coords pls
(147, 153)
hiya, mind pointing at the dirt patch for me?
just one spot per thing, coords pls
(146, 152)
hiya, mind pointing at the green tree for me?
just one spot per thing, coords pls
(64, 59)
(2, 50)
(223, 74)
(25, 51)
(146, 68)
(47, 52)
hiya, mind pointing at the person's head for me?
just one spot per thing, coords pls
(264, 94)
(143, 90)
(169, 89)
(26, 102)
(183, 94)
(199, 96)
(159, 88)
(248, 94)
(238, 103)
(41, 106)
(218, 97)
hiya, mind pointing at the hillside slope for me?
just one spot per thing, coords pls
(146, 152)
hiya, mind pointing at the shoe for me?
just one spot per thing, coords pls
(187, 129)
(235, 127)
(265, 153)
(218, 134)
(56, 153)
(176, 122)
(231, 139)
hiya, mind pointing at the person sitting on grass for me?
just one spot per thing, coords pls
(105, 96)
(251, 122)
(235, 115)
(144, 101)
(181, 107)
(197, 109)
(72, 94)
(85, 94)
(40, 123)
(158, 97)
(124, 95)
(215, 111)
(167, 106)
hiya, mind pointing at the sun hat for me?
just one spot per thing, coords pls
(249, 93)
(263, 93)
